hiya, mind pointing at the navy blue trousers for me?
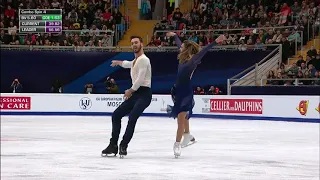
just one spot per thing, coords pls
(134, 107)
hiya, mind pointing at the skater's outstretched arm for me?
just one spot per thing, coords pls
(124, 64)
(176, 38)
(197, 58)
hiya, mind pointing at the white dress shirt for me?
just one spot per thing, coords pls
(140, 71)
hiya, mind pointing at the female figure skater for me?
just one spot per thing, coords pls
(189, 58)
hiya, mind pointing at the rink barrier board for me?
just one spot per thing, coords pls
(253, 107)
(225, 117)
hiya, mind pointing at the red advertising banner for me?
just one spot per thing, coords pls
(15, 103)
(236, 106)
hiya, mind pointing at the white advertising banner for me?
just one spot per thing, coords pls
(302, 107)
(266, 106)
(73, 102)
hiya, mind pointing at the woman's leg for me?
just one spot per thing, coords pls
(180, 131)
(181, 125)
(186, 126)
(187, 137)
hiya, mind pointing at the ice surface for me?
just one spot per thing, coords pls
(70, 147)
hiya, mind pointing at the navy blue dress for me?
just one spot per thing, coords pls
(182, 92)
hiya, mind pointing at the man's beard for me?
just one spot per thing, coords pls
(137, 50)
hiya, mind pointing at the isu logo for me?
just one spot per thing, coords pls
(318, 108)
(303, 107)
(236, 106)
(15, 103)
(85, 103)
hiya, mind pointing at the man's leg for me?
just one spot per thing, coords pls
(117, 115)
(137, 110)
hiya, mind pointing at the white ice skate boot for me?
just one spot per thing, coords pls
(177, 149)
(188, 140)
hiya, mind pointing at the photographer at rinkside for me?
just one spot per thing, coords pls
(16, 87)
(112, 87)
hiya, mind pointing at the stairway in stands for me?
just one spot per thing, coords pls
(143, 28)
(315, 42)
(184, 6)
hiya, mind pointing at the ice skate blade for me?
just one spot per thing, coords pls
(108, 155)
(176, 156)
(192, 142)
(122, 156)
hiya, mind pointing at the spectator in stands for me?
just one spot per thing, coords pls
(316, 62)
(14, 38)
(300, 61)
(12, 28)
(300, 76)
(311, 70)
(279, 80)
(316, 82)
(293, 70)
(117, 16)
(9, 12)
(211, 90)
(199, 91)
(303, 68)
(56, 86)
(312, 52)
(285, 50)
(307, 75)
(16, 86)
(88, 88)
(270, 76)
(146, 10)
(3, 37)
(217, 91)
(242, 46)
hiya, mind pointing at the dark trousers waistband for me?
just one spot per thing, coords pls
(143, 90)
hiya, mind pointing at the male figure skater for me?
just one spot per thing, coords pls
(137, 98)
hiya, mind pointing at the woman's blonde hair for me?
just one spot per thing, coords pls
(190, 48)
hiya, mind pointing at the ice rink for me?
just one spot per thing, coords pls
(70, 147)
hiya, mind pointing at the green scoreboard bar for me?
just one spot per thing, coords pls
(40, 20)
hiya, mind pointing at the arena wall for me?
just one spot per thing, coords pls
(276, 90)
(276, 108)
(37, 69)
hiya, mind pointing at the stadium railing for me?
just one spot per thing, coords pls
(238, 29)
(120, 48)
(117, 34)
(294, 81)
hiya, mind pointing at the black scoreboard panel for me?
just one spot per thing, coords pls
(40, 21)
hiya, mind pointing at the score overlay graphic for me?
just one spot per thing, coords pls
(40, 21)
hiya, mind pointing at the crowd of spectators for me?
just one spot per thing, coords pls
(85, 23)
(110, 86)
(262, 16)
(301, 69)
(212, 90)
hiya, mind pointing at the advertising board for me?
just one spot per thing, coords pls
(225, 107)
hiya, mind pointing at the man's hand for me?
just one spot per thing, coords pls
(220, 39)
(116, 63)
(128, 94)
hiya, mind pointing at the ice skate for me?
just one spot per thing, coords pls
(188, 140)
(177, 149)
(122, 151)
(111, 149)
